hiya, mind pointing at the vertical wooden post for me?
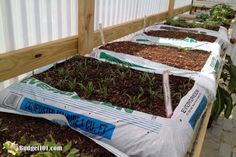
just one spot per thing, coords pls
(171, 8)
(191, 10)
(86, 25)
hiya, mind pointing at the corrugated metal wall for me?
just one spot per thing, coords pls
(25, 23)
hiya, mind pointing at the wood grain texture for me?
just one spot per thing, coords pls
(171, 8)
(86, 25)
(24, 60)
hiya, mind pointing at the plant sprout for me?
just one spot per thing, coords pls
(47, 77)
(89, 88)
(61, 83)
(72, 84)
(102, 90)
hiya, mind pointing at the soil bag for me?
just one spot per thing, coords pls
(206, 77)
(123, 133)
(222, 34)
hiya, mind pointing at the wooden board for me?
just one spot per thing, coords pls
(24, 60)
(86, 25)
(171, 8)
(18, 62)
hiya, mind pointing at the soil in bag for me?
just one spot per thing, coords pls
(29, 131)
(181, 35)
(177, 57)
(124, 87)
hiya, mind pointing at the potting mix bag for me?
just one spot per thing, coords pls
(222, 34)
(123, 132)
(205, 78)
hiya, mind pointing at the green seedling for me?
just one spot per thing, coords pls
(61, 83)
(135, 99)
(153, 94)
(109, 80)
(72, 84)
(121, 68)
(132, 99)
(64, 73)
(11, 148)
(89, 88)
(121, 74)
(102, 91)
(48, 79)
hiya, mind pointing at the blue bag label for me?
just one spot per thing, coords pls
(87, 124)
(193, 120)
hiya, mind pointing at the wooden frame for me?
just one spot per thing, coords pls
(18, 62)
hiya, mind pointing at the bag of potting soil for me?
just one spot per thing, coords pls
(206, 77)
(123, 133)
(187, 43)
(222, 34)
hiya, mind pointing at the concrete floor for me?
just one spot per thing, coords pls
(220, 140)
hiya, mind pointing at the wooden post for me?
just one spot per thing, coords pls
(171, 8)
(86, 25)
(191, 10)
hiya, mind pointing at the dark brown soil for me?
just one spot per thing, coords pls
(124, 87)
(179, 58)
(181, 35)
(13, 127)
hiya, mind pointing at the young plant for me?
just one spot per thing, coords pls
(89, 88)
(102, 90)
(226, 89)
(135, 99)
(153, 94)
(64, 73)
(61, 83)
(132, 99)
(11, 148)
(142, 78)
(109, 80)
(122, 74)
(48, 79)
(72, 84)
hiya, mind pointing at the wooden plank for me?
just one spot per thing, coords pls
(182, 10)
(86, 25)
(21, 61)
(24, 60)
(120, 30)
(171, 8)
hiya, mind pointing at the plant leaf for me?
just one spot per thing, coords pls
(43, 154)
(73, 152)
(67, 147)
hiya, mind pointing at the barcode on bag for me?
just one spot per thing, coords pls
(12, 100)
